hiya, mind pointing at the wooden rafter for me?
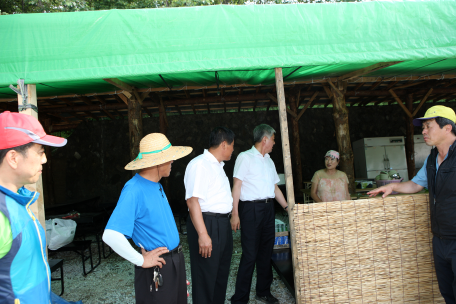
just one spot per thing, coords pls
(103, 103)
(399, 101)
(422, 102)
(367, 70)
(273, 98)
(307, 105)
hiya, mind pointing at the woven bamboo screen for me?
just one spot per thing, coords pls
(366, 251)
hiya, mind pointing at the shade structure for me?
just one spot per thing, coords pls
(73, 52)
(366, 251)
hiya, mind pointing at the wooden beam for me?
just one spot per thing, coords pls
(275, 100)
(122, 97)
(307, 105)
(399, 101)
(288, 180)
(338, 92)
(366, 70)
(162, 116)
(422, 102)
(38, 207)
(120, 84)
(410, 84)
(103, 103)
(71, 104)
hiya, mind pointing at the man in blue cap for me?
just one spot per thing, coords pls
(438, 175)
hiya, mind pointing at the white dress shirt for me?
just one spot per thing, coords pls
(205, 179)
(257, 173)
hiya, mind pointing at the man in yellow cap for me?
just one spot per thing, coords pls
(144, 215)
(438, 174)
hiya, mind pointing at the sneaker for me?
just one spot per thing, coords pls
(267, 299)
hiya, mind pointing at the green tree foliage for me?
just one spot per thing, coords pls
(49, 6)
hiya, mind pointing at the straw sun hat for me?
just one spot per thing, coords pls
(155, 149)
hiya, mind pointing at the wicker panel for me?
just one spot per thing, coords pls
(366, 251)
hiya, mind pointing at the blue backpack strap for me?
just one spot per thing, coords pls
(6, 287)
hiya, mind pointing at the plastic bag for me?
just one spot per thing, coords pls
(59, 232)
(55, 299)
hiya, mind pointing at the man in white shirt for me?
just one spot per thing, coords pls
(210, 240)
(254, 189)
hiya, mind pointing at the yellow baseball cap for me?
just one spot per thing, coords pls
(436, 111)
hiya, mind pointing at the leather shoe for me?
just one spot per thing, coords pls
(267, 299)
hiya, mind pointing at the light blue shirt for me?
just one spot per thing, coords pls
(421, 177)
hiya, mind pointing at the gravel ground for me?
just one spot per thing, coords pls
(112, 280)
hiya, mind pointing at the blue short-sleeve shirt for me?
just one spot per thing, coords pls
(144, 215)
(421, 177)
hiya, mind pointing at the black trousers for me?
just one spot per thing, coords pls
(210, 275)
(174, 288)
(257, 240)
(445, 267)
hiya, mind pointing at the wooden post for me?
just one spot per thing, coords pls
(162, 117)
(47, 172)
(288, 179)
(135, 126)
(296, 159)
(38, 207)
(409, 140)
(164, 130)
(340, 115)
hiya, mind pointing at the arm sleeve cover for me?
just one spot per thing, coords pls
(119, 243)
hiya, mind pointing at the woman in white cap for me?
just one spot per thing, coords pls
(330, 184)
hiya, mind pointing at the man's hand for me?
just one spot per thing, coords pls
(152, 258)
(386, 190)
(205, 245)
(235, 222)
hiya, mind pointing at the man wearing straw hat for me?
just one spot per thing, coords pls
(255, 181)
(210, 240)
(144, 215)
(24, 270)
(438, 175)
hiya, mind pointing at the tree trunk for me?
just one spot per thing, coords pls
(135, 126)
(340, 115)
(296, 155)
(409, 140)
(164, 130)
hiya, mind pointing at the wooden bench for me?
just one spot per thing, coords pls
(80, 247)
(55, 264)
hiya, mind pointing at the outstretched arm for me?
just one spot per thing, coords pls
(405, 187)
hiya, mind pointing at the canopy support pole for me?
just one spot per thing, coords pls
(28, 106)
(288, 178)
(340, 115)
(297, 168)
(135, 126)
(409, 139)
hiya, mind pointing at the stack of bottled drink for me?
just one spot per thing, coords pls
(281, 227)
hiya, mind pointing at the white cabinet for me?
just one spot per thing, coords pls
(373, 155)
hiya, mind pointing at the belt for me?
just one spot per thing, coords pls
(176, 250)
(264, 200)
(217, 214)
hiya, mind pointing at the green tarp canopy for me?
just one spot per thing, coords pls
(73, 52)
